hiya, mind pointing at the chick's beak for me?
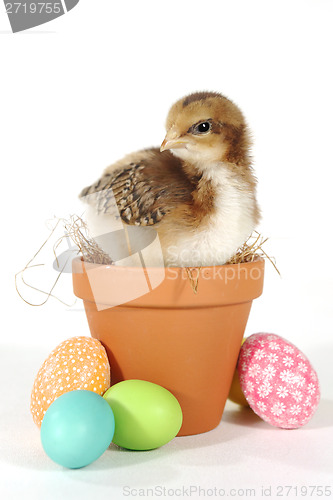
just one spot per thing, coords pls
(171, 141)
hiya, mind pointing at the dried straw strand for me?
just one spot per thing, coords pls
(249, 252)
(29, 265)
(76, 230)
(194, 282)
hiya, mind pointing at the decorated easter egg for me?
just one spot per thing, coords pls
(146, 415)
(278, 381)
(77, 428)
(77, 363)
(236, 394)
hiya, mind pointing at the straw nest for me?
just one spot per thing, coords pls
(75, 228)
(250, 251)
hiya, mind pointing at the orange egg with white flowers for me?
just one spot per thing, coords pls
(77, 363)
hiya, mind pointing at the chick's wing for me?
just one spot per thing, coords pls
(143, 187)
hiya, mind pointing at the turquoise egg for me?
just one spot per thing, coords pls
(147, 415)
(77, 428)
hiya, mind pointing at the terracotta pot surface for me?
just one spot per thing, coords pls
(186, 342)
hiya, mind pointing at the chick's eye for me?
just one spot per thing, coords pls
(202, 128)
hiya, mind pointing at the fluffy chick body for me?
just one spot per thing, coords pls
(198, 191)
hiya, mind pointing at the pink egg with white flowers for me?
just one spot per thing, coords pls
(278, 381)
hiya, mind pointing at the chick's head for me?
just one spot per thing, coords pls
(206, 128)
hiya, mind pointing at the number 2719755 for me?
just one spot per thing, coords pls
(33, 8)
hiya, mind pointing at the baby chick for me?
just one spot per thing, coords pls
(198, 190)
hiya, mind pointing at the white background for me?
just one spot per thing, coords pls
(78, 93)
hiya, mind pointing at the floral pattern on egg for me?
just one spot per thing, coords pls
(278, 381)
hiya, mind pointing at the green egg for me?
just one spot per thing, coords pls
(147, 416)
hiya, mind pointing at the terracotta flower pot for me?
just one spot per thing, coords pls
(185, 342)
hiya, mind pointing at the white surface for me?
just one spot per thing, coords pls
(242, 453)
(77, 94)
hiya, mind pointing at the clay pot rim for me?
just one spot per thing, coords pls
(211, 286)
(137, 269)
